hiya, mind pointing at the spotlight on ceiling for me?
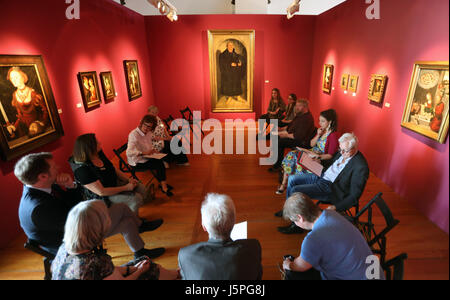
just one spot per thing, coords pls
(293, 8)
(165, 8)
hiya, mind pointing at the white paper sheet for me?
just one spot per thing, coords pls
(239, 231)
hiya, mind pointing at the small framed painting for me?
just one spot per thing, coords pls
(90, 91)
(353, 83)
(327, 79)
(109, 91)
(377, 87)
(426, 109)
(133, 79)
(344, 81)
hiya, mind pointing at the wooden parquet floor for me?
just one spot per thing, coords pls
(252, 189)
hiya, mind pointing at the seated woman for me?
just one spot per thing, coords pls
(162, 138)
(81, 256)
(276, 107)
(101, 180)
(140, 148)
(324, 145)
(290, 112)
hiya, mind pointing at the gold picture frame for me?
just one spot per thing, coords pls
(377, 87)
(426, 108)
(231, 64)
(327, 78)
(353, 83)
(344, 81)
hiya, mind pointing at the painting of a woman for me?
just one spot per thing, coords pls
(32, 113)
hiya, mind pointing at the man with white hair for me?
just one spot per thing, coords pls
(341, 183)
(220, 258)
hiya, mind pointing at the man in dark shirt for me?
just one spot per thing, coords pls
(45, 204)
(298, 134)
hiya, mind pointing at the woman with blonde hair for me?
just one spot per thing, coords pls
(81, 256)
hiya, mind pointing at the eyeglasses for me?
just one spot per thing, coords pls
(345, 151)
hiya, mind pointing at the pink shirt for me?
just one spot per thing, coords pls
(138, 143)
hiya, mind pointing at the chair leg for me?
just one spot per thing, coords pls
(47, 268)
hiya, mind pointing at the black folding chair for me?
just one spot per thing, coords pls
(168, 121)
(48, 257)
(190, 118)
(126, 168)
(394, 268)
(376, 239)
(347, 212)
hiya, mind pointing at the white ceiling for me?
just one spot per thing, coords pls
(206, 7)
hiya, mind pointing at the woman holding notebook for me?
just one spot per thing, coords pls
(324, 145)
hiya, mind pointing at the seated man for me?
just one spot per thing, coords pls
(298, 134)
(47, 198)
(341, 184)
(334, 247)
(220, 258)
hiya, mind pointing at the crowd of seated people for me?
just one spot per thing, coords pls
(71, 218)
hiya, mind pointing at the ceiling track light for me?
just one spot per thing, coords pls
(293, 8)
(165, 8)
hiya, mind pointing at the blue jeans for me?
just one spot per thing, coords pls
(309, 184)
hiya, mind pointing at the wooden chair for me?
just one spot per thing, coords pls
(48, 257)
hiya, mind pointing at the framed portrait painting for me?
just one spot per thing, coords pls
(344, 81)
(132, 79)
(109, 91)
(353, 83)
(377, 87)
(231, 60)
(327, 79)
(426, 109)
(90, 92)
(28, 115)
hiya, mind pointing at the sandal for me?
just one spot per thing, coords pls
(280, 190)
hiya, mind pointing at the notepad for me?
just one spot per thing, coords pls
(239, 231)
(307, 161)
(155, 155)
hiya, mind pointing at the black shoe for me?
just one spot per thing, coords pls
(279, 214)
(150, 225)
(291, 229)
(150, 253)
(168, 192)
(274, 169)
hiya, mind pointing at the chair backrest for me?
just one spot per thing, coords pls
(168, 121)
(123, 165)
(376, 239)
(394, 268)
(190, 116)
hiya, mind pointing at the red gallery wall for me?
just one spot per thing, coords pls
(416, 167)
(180, 59)
(104, 36)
